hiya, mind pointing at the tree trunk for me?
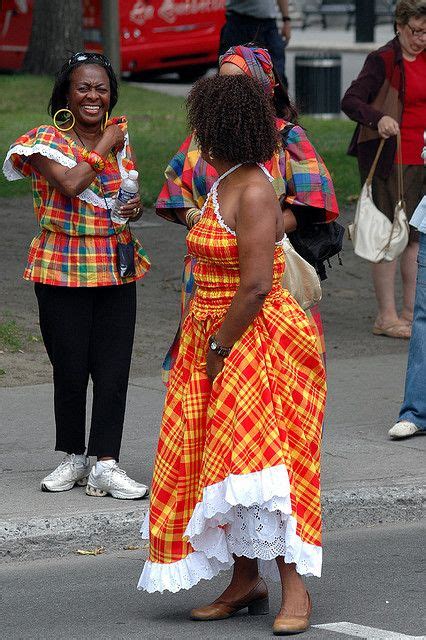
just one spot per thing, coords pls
(56, 34)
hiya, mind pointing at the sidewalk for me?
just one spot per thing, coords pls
(337, 39)
(366, 478)
(312, 39)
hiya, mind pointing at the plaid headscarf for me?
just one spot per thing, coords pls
(255, 62)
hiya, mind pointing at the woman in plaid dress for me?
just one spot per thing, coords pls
(301, 178)
(236, 479)
(87, 309)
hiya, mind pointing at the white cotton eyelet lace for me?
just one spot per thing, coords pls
(87, 195)
(249, 515)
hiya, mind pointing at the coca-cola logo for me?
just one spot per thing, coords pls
(141, 12)
(171, 9)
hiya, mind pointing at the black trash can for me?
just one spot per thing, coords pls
(318, 79)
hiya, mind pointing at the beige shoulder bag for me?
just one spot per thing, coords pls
(300, 278)
(374, 236)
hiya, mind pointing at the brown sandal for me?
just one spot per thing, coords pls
(397, 330)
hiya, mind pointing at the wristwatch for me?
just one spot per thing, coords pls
(286, 18)
(218, 348)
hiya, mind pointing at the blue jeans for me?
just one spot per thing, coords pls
(414, 405)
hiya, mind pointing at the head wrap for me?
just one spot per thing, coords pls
(254, 62)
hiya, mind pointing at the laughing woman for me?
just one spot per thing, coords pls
(87, 307)
(236, 477)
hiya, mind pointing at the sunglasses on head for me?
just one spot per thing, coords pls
(82, 56)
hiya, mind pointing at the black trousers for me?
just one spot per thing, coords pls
(89, 331)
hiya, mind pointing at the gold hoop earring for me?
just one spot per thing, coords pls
(63, 128)
(210, 154)
(104, 124)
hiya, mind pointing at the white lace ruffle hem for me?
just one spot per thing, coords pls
(246, 515)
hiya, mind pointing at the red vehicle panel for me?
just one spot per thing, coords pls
(15, 30)
(154, 34)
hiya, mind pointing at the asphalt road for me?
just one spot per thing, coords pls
(372, 581)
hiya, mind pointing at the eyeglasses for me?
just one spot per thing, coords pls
(82, 56)
(417, 33)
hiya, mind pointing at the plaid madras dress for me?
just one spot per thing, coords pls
(77, 242)
(237, 469)
(300, 175)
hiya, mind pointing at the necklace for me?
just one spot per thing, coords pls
(76, 133)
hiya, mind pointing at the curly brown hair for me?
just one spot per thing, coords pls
(233, 119)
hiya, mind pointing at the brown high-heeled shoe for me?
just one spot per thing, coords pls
(256, 601)
(288, 625)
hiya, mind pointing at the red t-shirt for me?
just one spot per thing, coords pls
(413, 122)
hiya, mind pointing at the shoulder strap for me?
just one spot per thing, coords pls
(399, 169)
(375, 161)
(373, 168)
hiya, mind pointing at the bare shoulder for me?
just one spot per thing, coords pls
(258, 194)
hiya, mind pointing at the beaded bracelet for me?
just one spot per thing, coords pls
(192, 216)
(95, 160)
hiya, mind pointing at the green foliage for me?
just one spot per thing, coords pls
(157, 128)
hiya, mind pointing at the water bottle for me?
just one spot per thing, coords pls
(128, 188)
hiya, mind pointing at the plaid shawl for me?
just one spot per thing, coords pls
(298, 170)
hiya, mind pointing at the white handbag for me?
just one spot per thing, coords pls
(300, 278)
(374, 236)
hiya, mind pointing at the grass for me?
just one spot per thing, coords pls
(11, 338)
(331, 139)
(157, 128)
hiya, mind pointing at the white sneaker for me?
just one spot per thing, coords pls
(403, 429)
(71, 471)
(114, 481)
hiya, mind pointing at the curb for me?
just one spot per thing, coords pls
(56, 537)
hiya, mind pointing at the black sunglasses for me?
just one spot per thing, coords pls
(82, 56)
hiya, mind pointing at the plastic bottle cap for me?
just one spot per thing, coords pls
(133, 175)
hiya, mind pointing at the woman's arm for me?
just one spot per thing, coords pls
(256, 228)
(357, 100)
(73, 181)
(290, 220)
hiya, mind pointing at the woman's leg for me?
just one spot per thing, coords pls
(413, 408)
(65, 320)
(409, 275)
(246, 590)
(385, 197)
(110, 355)
(295, 600)
(384, 286)
(244, 577)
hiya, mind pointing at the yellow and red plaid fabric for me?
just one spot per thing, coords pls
(264, 409)
(77, 242)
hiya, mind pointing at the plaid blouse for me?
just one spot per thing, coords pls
(77, 242)
(299, 173)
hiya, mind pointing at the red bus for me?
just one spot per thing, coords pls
(155, 35)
